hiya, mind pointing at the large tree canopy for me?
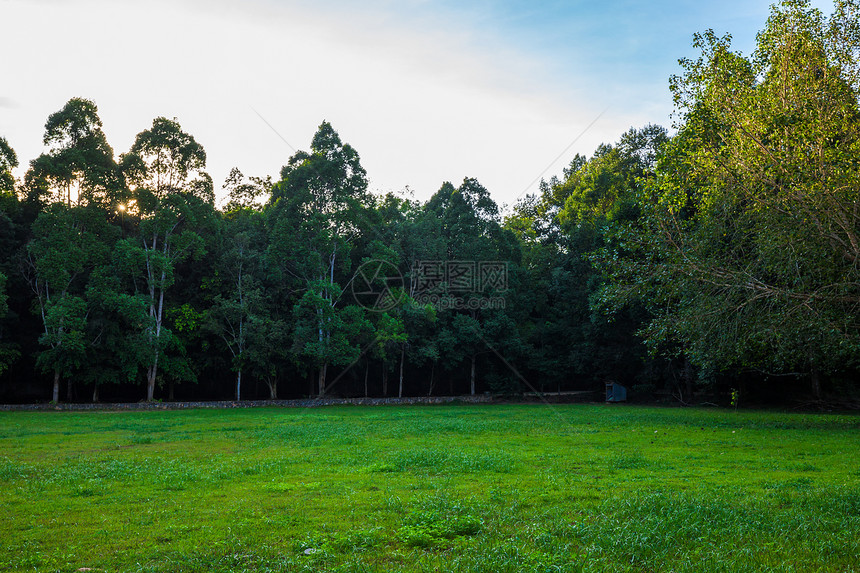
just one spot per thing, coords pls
(79, 166)
(748, 243)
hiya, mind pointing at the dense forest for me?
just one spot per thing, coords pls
(722, 258)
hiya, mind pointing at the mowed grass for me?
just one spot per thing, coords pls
(489, 488)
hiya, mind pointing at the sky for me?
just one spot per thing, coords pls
(504, 91)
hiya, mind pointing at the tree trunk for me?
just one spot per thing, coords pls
(239, 386)
(815, 379)
(70, 391)
(158, 314)
(95, 393)
(472, 376)
(150, 379)
(432, 370)
(150, 384)
(322, 378)
(402, 358)
(384, 381)
(170, 391)
(272, 383)
(55, 397)
(688, 378)
(366, 373)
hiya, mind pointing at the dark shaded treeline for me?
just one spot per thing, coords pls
(723, 257)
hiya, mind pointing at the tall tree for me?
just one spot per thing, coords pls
(173, 199)
(250, 315)
(237, 314)
(13, 231)
(474, 243)
(317, 212)
(68, 243)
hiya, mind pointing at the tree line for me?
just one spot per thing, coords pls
(723, 256)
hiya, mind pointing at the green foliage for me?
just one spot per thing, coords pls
(564, 224)
(327, 334)
(117, 351)
(162, 162)
(317, 212)
(79, 166)
(245, 195)
(730, 249)
(185, 318)
(467, 229)
(746, 247)
(8, 162)
(65, 326)
(173, 200)
(436, 524)
(8, 352)
(4, 307)
(68, 244)
(318, 208)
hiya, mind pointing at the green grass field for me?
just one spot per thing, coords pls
(454, 488)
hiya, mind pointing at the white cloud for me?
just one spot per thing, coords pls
(422, 94)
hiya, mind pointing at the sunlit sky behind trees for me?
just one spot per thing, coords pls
(425, 91)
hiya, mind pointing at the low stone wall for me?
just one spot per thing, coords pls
(306, 403)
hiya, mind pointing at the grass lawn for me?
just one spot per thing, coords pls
(488, 488)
